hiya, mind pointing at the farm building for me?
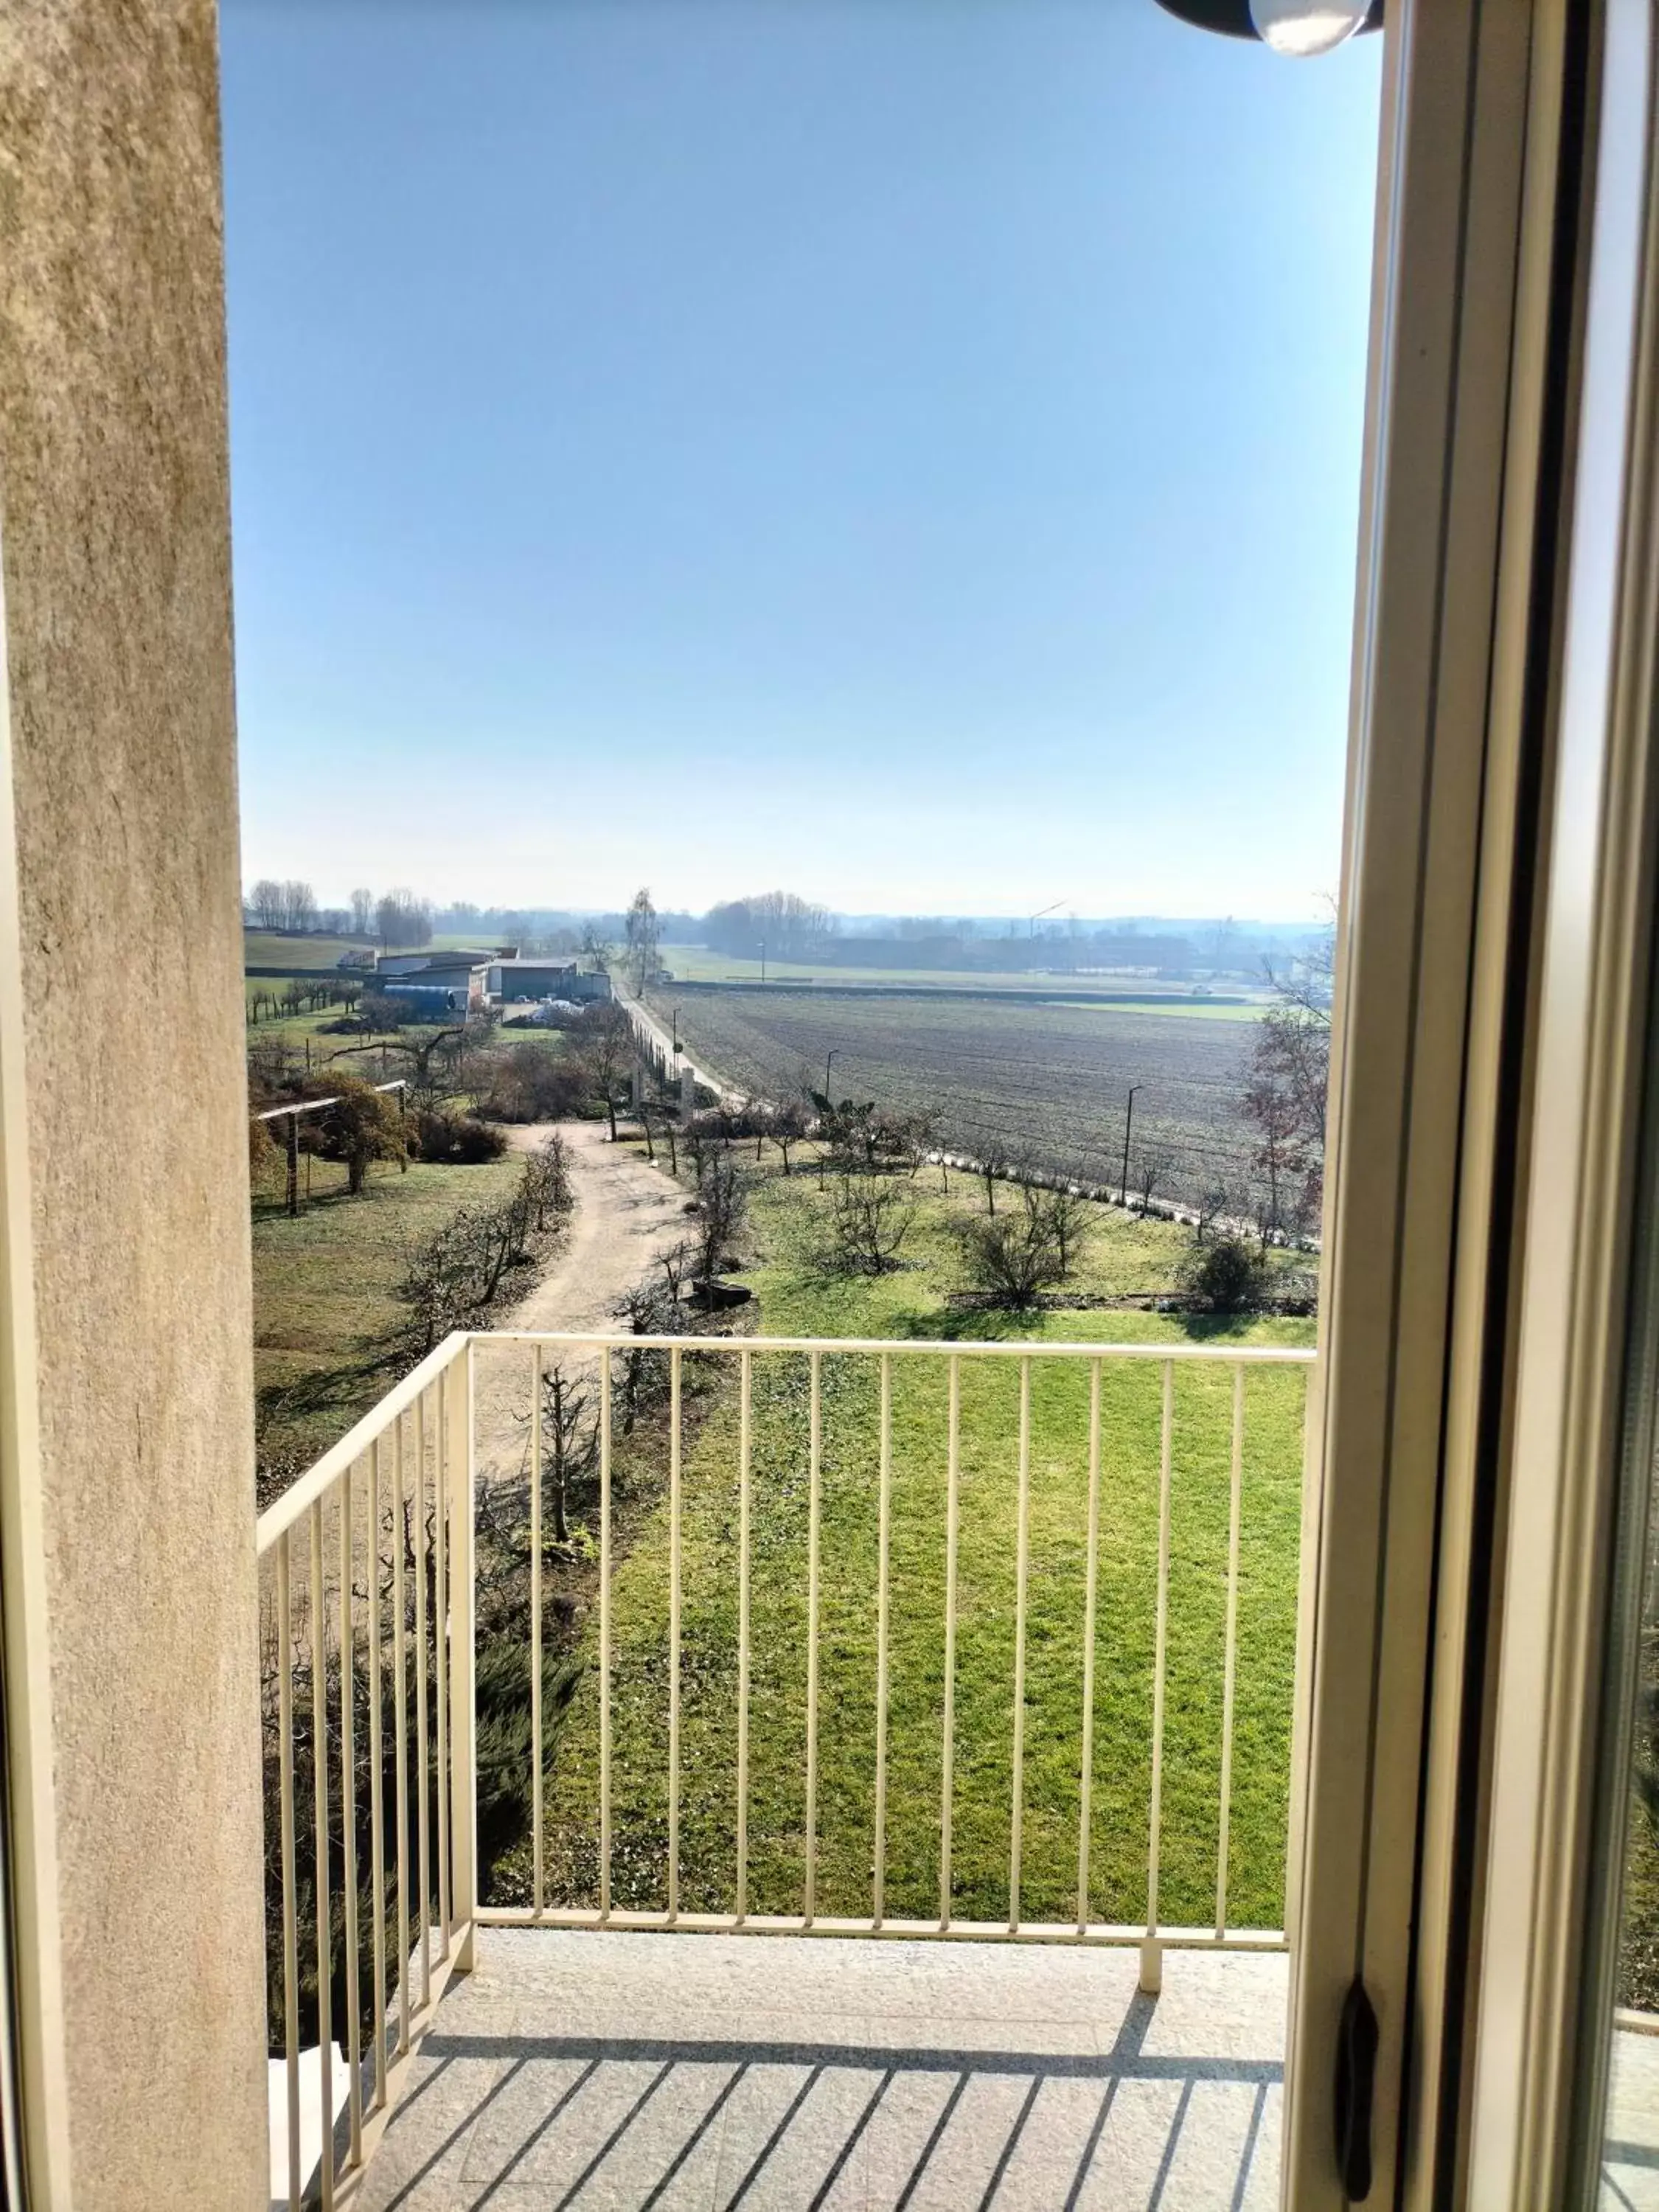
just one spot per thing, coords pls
(461, 973)
(510, 979)
(419, 1000)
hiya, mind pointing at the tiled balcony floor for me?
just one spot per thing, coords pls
(1630, 2168)
(776, 2074)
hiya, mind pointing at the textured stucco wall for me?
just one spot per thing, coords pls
(115, 541)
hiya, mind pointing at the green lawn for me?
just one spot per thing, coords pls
(324, 1313)
(796, 1298)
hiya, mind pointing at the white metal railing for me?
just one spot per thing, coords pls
(389, 1516)
(380, 1614)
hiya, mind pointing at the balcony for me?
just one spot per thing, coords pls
(978, 1652)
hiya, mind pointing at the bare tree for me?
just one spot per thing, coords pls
(299, 905)
(676, 1264)
(1154, 1166)
(723, 1197)
(647, 1310)
(792, 927)
(1287, 1080)
(362, 913)
(1069, 1217)
(787, 1127)
(604, 1040)
(1213, 1204)
(569, 1443)
(266, 900)
(870, 1216)
(422, 1055)
(993, 1162)
(643, 934)
(598, 948)
(402, 919)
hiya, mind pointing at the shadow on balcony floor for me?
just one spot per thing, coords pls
(776, 2074)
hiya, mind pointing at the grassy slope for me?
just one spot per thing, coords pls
(797, 1298)
(323, 1304)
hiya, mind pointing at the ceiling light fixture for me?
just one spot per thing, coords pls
(1289, 27)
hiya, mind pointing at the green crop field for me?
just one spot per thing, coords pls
(1048, 1081)
(271, 948)
(796, 1296)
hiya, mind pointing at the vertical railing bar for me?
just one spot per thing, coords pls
(290, 1906)
(324, 1898)
(1161, 1650)
(400, 1729)
(463, 1732)
(1022, 1572)
(745, 1405)
(376, 1782)
(1085, 1789)
(604, 1633)
(348, 1812)
(948, 1737)
(538, 1871)
(422, 1812)
(674, 1509)
(440, 1656)
(884, 1543)
(815, 1361)
(1230, 1676)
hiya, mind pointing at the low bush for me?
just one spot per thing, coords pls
(527, 1083)
(457, 1140)
(1226, 1275)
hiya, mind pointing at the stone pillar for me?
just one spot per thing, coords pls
(126, 1501)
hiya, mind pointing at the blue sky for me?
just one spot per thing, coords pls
(903, 450)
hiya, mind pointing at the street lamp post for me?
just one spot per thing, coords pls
(828, 1058)
(1128, 1124)
(763, 947)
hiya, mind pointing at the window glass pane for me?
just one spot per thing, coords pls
(795, 566)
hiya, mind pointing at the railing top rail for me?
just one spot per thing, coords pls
(293, 1504)
(600, 1340)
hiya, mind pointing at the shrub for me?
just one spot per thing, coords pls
(1013, 1256)
(380, 1014)
(363, 1124)
(459, 1139)
(547, 1179)
(1226, 1274)
(527, 1083)
(264, 1155)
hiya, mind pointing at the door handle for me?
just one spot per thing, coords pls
(1356, 2083)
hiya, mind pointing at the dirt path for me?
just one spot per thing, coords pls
(627, 1213)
